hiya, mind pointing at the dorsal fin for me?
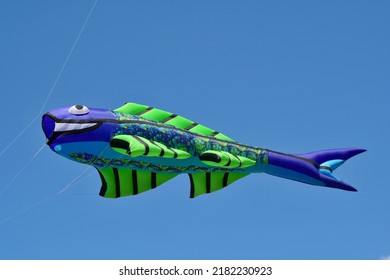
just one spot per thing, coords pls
(169, 118)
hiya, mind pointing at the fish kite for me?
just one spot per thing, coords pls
(136, 148)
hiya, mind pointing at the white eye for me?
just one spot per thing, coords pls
(78, 110)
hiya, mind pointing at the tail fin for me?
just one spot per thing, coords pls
(328, 161)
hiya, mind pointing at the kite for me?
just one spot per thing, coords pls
(136, 148)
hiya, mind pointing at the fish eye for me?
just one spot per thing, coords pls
(78, 110)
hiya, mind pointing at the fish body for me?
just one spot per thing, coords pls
(136, 148)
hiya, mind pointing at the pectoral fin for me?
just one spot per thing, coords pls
(224, 159)
(118, 182)
(135, 146)
(208, 182)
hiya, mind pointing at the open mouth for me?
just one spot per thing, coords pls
(54, 127)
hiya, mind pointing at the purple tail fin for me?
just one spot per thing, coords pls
(326, 155)
(328, 160)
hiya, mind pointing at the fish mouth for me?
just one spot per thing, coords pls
(54, 127)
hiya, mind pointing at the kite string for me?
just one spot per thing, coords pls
(28, 208)
(74, 181)
(54, 84)
(71, 183)
(82, 173)
(68, 186)
(22, 169)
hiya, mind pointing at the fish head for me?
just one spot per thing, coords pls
(77, 123)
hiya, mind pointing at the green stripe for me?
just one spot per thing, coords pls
(180, 122)
(162, 178)
(109, 179)
(156, 115)
(201, 129)
(217, 181)
(144, 181)
(161, 149)
(168, 118)
(126, 182)
(235, 176)
(146, 152)
(174, 152)
(229, 162)
(199, 181)
(221, 136)
(239, 160)
(132, 108)
(191, 126)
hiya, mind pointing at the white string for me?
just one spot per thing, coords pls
(82, 173)
(28, 208)
(68, 186)
(22, 169)
(74, 181)
(54, 84)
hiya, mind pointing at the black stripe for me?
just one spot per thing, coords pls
(174, 152)
(210, 157)
(144, 111)
(225, 179)
(229, 162)
(135, 181)
(162, 150)
(214, 134)
(191, 126)
(153, 179)
(143, 143)
(238, 160)
(208, 182)
(168, 118)
(117, 182)
(192, 190)
(118, 143)
(326, 167)
(103, 189)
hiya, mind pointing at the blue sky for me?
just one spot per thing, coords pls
(292, 76)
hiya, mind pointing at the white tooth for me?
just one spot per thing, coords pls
(72, 126)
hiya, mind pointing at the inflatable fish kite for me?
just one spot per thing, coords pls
(136, 148)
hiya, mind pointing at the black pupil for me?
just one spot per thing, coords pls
(79, 107)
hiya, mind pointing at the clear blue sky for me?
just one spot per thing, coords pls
(292, 76)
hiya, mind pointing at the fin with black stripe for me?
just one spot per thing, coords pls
(225, 159)
(119, 182)
(135, 146)
(208, 182)
(165, 117)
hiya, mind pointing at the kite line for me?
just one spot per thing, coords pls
(22, 169)
(54, 84)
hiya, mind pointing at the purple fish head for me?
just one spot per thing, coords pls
(77, 124)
